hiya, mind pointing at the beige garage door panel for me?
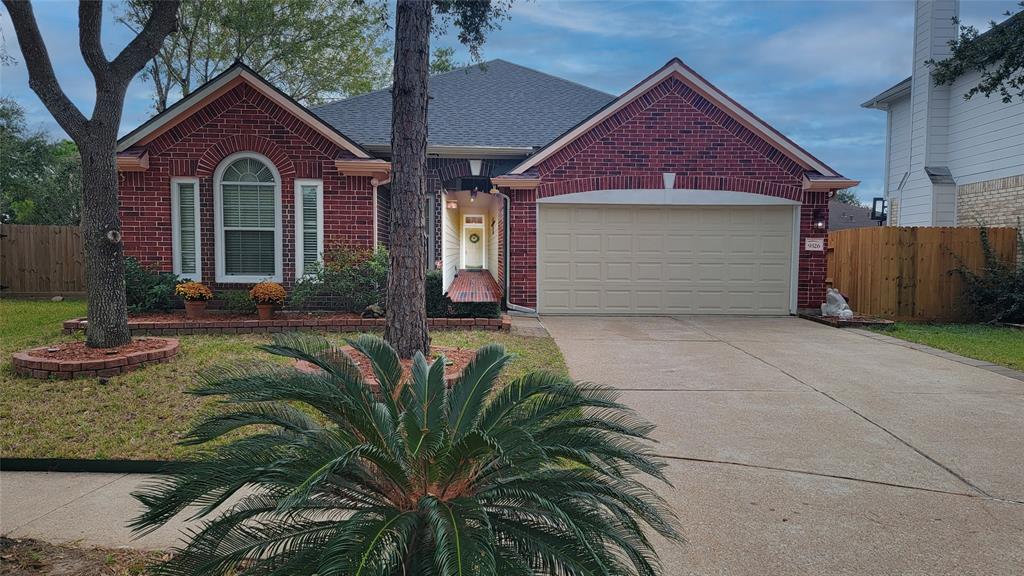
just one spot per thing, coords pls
(665, 260)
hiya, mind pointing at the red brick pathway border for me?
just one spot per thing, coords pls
(26, 364)
(214, 326)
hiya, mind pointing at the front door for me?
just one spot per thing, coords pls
(473, 255)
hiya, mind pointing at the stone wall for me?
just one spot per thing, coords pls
(998, 202)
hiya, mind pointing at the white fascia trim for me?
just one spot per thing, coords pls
(716, 96)
(661, 197)
(176, 229)
(261, 86)
(300, 248)
(218, 217)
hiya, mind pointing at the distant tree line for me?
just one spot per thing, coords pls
(40, 179)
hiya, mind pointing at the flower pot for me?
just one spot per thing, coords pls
(266, 311)
(195, 309)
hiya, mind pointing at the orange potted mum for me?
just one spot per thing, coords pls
(195, 295)
(267, 296)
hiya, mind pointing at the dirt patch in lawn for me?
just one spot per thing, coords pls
(31, 557)
(457, 360)
(78, 351)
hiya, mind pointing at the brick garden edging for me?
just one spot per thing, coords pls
(41, 367)
(213, 326)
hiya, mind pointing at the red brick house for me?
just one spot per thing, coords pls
(669, 199)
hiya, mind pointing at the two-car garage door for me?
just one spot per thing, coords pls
(630, 259)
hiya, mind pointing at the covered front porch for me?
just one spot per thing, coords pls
(473, 245)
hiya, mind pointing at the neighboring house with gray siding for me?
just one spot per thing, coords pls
(949, 161)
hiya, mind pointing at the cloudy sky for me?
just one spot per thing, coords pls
(803, 66)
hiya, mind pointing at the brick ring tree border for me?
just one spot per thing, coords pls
(27, 364)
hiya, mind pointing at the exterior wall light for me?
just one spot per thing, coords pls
(819, 219)
(451, 205)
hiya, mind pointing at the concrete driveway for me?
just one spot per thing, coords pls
(795, 448)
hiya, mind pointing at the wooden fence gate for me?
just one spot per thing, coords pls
(905, 273)
(38, 260)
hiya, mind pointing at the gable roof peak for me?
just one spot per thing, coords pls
(234, 75)
(676, 68)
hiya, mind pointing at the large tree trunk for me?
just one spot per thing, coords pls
(104, 253)
(406, 325)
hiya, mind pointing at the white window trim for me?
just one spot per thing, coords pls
(300, 248)
(176, 229)
(218, 216)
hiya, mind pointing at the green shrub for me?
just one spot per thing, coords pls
(237, 301)
(148, 290)
(350, 280)
(440, 306)
(996, 294)
(330, 475)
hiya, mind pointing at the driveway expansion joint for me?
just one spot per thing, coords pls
(892, 434)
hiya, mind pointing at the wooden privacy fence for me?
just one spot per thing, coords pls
(40, 260)
(904, 273)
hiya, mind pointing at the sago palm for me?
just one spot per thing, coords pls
(541, 476)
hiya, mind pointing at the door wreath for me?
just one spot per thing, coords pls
(474, 238)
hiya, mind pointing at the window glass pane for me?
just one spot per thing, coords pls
(309, 228)
(248, 170)
(249, 252)
(187, 227)
(248, 205)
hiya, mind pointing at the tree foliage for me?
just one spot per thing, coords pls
(848, 196)
(998, 54)
(40, 180)
(443, 60)
(313, 50)
(541, 476)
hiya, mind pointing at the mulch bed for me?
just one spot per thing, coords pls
(219, 316)
(78, 351)
(458, 359)
(76, 360)
(857, 321)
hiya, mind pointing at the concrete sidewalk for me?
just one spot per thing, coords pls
(87, 508)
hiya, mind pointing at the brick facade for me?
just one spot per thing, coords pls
(240, 120)
(670, 128)
(998, 202)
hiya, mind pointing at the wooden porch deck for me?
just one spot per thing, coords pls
(474, 286)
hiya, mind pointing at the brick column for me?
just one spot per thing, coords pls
(523, 248)
(812, 268)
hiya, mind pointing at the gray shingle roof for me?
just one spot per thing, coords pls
(497, 104)
(842, 216)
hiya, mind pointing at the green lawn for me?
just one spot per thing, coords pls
(1003, 346)
(142, 415)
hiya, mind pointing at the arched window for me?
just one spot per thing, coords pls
(248, 213)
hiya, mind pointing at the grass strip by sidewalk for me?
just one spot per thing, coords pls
(143, 414)
(995, 344)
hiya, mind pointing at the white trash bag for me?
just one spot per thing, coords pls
(835, 305)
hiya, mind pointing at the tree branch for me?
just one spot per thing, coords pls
(40, 72)
(162, 21)
(90, 20)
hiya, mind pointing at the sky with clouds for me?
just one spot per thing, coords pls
(803, 66)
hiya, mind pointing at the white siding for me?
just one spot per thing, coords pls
(898, 145)
(450, 243)
(986, 135)
(492, 243)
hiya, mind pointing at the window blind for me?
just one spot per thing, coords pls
(310, 233)
(187, 225)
